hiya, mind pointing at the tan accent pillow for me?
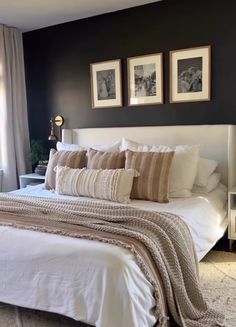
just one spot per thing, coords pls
(154, 168)
(107, 184)
(183, 168)
(73, 159)
(105, 160)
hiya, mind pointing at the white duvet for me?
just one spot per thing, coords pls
(90, 281)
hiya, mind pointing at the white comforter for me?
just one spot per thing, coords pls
(90, 281)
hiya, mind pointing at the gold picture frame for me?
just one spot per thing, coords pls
(190, 74)
(105, 78)
(145, 80)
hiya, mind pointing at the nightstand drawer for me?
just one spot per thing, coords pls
(232, 230)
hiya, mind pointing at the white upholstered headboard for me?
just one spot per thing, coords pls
(217, 141)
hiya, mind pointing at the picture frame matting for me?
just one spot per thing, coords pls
(190, 74)
(145, 79)
(106, 87)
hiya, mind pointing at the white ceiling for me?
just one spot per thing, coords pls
(28, 15)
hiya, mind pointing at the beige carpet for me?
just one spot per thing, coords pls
(218, 278)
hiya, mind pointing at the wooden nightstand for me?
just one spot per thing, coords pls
(31, 179)
(232, 216)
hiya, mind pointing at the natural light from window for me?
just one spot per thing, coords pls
(1, 103)
(1, 89)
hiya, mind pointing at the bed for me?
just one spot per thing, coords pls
(100, 283)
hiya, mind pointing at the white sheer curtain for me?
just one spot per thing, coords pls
(14, 132)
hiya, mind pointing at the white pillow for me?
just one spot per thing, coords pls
(100, 147)
(183, 171)
(205, 168)
(212, 182)
(68, 147)
(108, 184)
(184, 164)
(114, 147)
(127, 144)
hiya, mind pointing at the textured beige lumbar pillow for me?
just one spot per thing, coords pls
(108, 184)
(154, 169)
(75, 159)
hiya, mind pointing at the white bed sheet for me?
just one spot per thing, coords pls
(89, 281)
(193, 210)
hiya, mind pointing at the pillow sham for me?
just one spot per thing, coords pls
(108, 184)
(212, 182)
(105, 160)
(127, 144)
(69, 147)
(114, 147)
(205, 168)
(100, 147)
(73, 159)
(154, 168)
(183, 169)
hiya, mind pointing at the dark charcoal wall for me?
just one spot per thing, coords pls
(57, 64)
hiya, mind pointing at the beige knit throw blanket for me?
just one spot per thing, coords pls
(161, 244)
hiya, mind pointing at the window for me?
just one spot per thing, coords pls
(1, 105)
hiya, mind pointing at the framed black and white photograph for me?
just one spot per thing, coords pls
(190, 74)
(106, 84)
(145, 80)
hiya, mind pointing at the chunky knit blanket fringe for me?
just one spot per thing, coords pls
(169, 250)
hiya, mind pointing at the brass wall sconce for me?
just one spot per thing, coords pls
(58, 121)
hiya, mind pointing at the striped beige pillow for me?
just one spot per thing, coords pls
(107, 184)
(154, 168)
(105, 160)
(73, 159)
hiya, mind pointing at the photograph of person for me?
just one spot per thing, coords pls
(145, 80)
(190, 75)
(106, 87)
